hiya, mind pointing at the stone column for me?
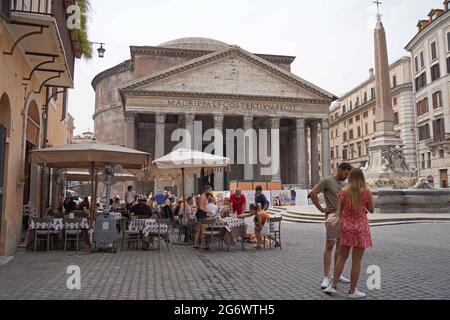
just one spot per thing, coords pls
(160, 130)
(130, 130)
(313, 126)
(301, 154)
(219, 175)
(275, 149)
(326, 152)
(160, 126)
(248, 167)
(190, 180)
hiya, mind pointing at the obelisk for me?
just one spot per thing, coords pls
(385, 149)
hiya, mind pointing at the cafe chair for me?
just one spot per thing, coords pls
(212, 233)
(274, 232)
(162, 233)
(132, 234)
(72, 232)
(42, 231)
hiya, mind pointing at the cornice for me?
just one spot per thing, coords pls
(122, 67)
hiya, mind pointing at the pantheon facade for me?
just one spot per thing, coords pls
(142, 101)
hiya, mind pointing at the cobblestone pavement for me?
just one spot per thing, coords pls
(414, 262)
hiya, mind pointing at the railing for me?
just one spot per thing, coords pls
(32, 6)
(57, 9)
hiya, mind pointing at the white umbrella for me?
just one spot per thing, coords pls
(189, 161)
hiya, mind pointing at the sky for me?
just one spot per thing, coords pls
(332, 39)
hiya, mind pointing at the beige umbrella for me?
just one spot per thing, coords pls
(91, 156)
(187, 161)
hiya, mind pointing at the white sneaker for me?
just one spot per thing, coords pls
(357, 295)
(330, 290)
(325, 283)
(342, 279)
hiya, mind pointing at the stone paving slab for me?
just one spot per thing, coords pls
(414, 261)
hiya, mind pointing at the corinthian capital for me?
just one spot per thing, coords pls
(190, 118)
(325, 124)
(300, 124)
(248, 121)
(130, 117)
(160, 118)
(218, 121)
(275, 123)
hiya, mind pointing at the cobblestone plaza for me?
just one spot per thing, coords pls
(413, 258)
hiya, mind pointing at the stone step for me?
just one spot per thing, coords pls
(372, 223)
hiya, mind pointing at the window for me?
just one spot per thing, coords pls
(433, 51)
(424, 133)
(332, 153)
(372, 94)
(421, 81)
(336, 115)
(357, 102)
(344, 109)
(395, 101)
(416, 63)
(422, 60)
(429, 160)
(351, 105)
(396, 122)
(437, 100)
(448, 65)
(444, 178)
(350, 121)
(374, 111)
(365, 97)
(351, 134)
(438, 130)
(435, 72)
(359, 132)
(345, 136)
(366, 114)
(448, 41)
(394, 81)
(423, 161)
(332, 134)
(359, 151)
(337, 133)
(344, 154)
(422, 107)
(374, 126)
(441, 154)
(358, 118)
(337, 153)
(367, 128)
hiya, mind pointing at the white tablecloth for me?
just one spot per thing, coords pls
(230, 223)
(57, 225)
(147, 226)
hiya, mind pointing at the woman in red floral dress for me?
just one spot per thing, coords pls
(355, 202)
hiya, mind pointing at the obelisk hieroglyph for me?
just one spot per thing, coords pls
(386, 165)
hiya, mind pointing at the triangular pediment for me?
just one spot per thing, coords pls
(231, 71)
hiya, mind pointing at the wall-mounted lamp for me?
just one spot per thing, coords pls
(101, 51)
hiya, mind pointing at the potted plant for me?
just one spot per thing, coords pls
(22, 180)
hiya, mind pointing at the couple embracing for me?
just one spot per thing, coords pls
(350, 203)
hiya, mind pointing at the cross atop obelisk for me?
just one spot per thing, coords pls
(378, 3)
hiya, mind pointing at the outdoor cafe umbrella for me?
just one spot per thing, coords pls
(188, 161)
(90, 156)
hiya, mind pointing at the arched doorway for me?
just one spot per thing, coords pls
(32, 142)
(5, 125)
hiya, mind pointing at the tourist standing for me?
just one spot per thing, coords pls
(189, 219)
(238, 202)
(330, 187)
(160, 197)
(130, 198)
(260, 199)
(355, 202)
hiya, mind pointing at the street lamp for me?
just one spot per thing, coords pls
(101, 50)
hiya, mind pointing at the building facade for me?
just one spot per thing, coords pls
(37, 54)
(353, 121)
(191, 81)
(430, 51)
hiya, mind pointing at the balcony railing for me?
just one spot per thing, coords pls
(32, 6)
(56, 9)
(5, 10)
